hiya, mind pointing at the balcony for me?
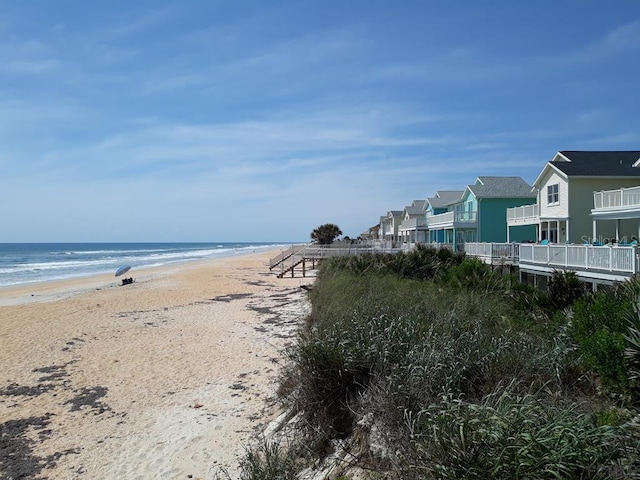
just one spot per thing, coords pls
(610, 263)
(619, 203)
(525, 215)
(462, 219)
(418, 223)
(606, 262)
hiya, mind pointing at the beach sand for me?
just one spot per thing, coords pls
(169, 377)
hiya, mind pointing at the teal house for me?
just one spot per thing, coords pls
(480, 214)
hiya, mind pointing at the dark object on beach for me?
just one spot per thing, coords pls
(127, 281)
(308, 288)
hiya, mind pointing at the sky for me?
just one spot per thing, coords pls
(209, 120)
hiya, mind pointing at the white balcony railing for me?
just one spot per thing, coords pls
(621, 198)
(440, 219)
(488, 251)
(587, 257)
(524, 215)
(413, 223)
(451, 219)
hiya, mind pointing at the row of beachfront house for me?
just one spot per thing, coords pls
(580, 198)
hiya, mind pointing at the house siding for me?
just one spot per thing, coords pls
(581, 203)
(492, 220)
(554, 211)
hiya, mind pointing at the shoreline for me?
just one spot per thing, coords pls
(167, 377)
(51, 290)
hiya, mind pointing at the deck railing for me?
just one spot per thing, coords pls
(612, 259)
(488, 251)
(523, 215)
(319, 252)
(413, 223)
(284, 254)
(440, 219)
(619, 198)
(450, 218)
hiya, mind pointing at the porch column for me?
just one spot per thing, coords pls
(557, 231)
(595, 232)
(508, 234)
(617, 230)
(548, 230)
(566, 223)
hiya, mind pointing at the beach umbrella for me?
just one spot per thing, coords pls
(122, 270)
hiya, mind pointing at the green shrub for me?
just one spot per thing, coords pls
(332, 370)
(426, 343)
(421, 263)
(599, 324)
(412, 339)
(512, 436)
(565, 288)
(267, 460)
(472, 273)
(632, 347)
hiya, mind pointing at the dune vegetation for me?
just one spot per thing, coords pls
(429, 365)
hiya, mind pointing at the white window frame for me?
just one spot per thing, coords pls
(553, 194)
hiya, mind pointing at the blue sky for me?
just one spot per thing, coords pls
(260, 120)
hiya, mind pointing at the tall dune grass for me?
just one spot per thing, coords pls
(469, 374)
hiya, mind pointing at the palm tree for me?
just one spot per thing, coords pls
(326, 234)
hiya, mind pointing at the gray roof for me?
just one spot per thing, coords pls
(419, 203)
(599, 163)
(413, 210)
(501, 187)
(444, 198)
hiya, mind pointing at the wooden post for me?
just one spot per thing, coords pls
(304, 267)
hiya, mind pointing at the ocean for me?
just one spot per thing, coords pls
(23, 263)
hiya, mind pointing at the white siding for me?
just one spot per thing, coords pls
(553, 211)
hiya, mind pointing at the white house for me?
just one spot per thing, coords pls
(413, 228)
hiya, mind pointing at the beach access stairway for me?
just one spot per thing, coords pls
(308, 256)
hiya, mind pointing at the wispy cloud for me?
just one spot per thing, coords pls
(157, 114)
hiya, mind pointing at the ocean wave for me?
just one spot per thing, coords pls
(24, 266)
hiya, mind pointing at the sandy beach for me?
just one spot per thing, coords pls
(169, 377)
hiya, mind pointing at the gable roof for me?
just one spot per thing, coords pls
(573, 163)
(443, 198)
(598, 163)
(412, 210)
(418, 203)
(501, 187)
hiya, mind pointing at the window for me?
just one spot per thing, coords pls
(553, 197)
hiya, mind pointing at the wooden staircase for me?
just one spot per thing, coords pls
(297, 255)
(290, 258)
